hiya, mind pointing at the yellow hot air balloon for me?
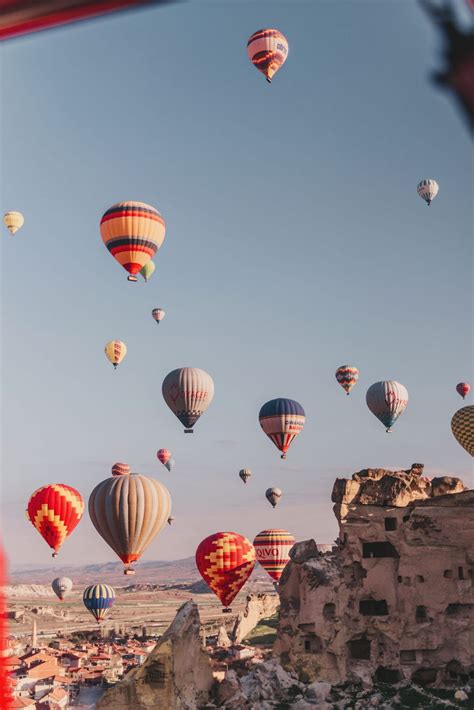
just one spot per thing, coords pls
(115, 351)
(462, 426)
(148, 270)
(13, 221)
(128, 510)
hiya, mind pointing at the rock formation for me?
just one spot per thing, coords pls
(394, 600)
(176, 675)
(257, 607)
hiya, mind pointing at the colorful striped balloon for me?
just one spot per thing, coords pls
(427, 190)
(120, 469)
(115, 352)
(55, 510)
(99, 599)
(272, 548)
(132, 232)
(225, 561)
(462, 426)
(282, 420)
(347, 376)
(387, 400)
(268, 51)
(163, 455)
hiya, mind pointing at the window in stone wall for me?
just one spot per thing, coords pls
(420, 579)
(421, 614)
(312, 643)
(156, 674)
(378, 549)
(359, 649)
(448, 573)
(470, 573)
(390, 523)
(460, 573)
(408, 656)
(400, 579)
(387, 675)
(329, 611)
(373, 607)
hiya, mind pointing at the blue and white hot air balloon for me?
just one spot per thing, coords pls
(282, 420)
(99, 599)
(387, 400)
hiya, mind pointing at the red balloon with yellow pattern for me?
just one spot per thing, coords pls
(225, 561)
(55, 510)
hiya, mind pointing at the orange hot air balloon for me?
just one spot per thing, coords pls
(225, 561)
(132, 232)
(55, 510)
(267, 50)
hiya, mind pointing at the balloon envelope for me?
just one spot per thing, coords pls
(267, 50)
(245, 474)
(272, 548)
(158, 314)
(128, 511)
(347, 376)
(61, 586)
(282, 420)
(462, 426)
(463, 388)
(387, 400)
(120, 469)
(132, 232)
(273, 495)
(225, 561)
(115, 352)
(13, 221)
(188, 392)
(427, 190)
(99, 599)
(55, 510)
(148, 270)
(163, 455)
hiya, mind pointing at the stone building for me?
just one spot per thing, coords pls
(394, 600)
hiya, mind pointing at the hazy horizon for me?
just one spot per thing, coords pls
(295, 243)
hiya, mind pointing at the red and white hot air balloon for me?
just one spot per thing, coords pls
(463, 388)
(164, 456)
(267, 50)
(272, 548)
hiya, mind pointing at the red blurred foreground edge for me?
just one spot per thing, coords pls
(5, 696)
(19, 17)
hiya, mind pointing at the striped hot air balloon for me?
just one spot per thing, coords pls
(158, 314)
(462, 426)
(225, 561)
(132, 232)
(115, 352)
(347, 376)
(120, 469)
(128, 511)
(268, 51)
(99, 599)
(272, 548)
(427, 190)
(188, 392)
(387, 400)
(282, 420)
(463, 389)
(13, 221)
(164, 456)
(61, 587)
(245, 474)
(55, 510)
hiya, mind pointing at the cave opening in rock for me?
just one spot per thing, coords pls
(359, 649)
(312, 643)
(373, 607)
(408, 656)
(421, 614)
(329, 611)
(390, 524)
(387, 675)
(156, 674)
(378, 549)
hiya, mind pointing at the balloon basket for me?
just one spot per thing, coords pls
(388, 431)
(55, 554)
(129, 570)
(227, 610)
(283, 456)
(131, 278)
(188, 431)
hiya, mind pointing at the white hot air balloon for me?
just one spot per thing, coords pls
(427, 190)
(158, 314)
(61, 587)
(273, 496)
(188, 392)
(13, 221)
(387, 400)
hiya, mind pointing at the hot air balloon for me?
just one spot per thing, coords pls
(148, 270)
(282, 420)
(272, 548)
(158, 314)
(171, 520)
(463, 388)
(55, 510)
(273, 496)
(462, 426)
(188, 392)
(164, 455)
(225, 561)
(427, 190)
(99, 599)
(387, 400)
(128, 510)
(13, 221)
(347, 376)
(268, 51)
(61, 587)
(132, 232)
(115, 351)
(120, 469)
(245, 474)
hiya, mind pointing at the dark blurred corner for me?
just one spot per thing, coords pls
(457, 74)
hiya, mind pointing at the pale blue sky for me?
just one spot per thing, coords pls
(296, 242)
